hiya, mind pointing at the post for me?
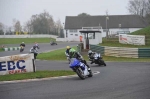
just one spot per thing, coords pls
(107, 18)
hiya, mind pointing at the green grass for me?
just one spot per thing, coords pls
(1, 49)
(26, 40)
(60, 55)
(53, 55)
(114, 42)
(144, 31)
(37, 74)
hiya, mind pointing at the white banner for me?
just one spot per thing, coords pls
(17, 64)
(132, 39)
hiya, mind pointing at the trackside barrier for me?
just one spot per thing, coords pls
(144, 52)
(122, 51)
(97, 48)
(11, 48)
(21, 63)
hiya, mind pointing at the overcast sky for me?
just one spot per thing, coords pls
(22, 10)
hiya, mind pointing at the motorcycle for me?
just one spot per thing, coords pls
(53, 43)
(80, 68)
(97, 59)
(21, 48)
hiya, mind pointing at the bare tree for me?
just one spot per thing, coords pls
(1, 29)
(27, 27)
(1, 26)
(83, 14)
(58, 26)
(17, 26)
(137, 7)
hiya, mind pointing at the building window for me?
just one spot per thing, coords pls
(73, 31)
(76, 34)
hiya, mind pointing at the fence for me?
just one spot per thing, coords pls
(122, 51)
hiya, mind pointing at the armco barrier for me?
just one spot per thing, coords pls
(144, 52)
(121, 51)
(11, 48)
(97, 48)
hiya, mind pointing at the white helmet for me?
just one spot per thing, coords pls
(22, 42)
(89, 52)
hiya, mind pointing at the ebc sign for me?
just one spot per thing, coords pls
(12, 65)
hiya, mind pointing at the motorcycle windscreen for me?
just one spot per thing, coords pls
(96, 55)
(74, 62)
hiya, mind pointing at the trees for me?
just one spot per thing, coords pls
(42, 23)
(148, 11)
(83, 14)
(139, 7)
(1, 29)
(17, 26)
(58, 27)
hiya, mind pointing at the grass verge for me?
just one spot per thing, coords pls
(114, 42)
(26, 40)
(1, 49)
(53, 55)
(60, 55)
(37, 74)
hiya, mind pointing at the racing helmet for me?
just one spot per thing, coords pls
(22, 42)
(68, 47)
(89, 52)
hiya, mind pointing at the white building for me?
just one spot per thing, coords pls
(114, 24)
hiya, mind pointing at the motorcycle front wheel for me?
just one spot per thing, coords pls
(101, 62)
(90, 73)
(80, 73)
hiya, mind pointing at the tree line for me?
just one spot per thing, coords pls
(43, 23)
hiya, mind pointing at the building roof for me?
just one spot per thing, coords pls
(126, 21)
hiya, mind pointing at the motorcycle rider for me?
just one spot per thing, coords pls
(34, 51)
(37, 46)
(22, 44)
(52, 42)
(67, 50)
(91, 56)
(74, 54)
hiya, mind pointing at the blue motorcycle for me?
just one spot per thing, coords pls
(80, 68)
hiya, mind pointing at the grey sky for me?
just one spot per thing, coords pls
(22, 10)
